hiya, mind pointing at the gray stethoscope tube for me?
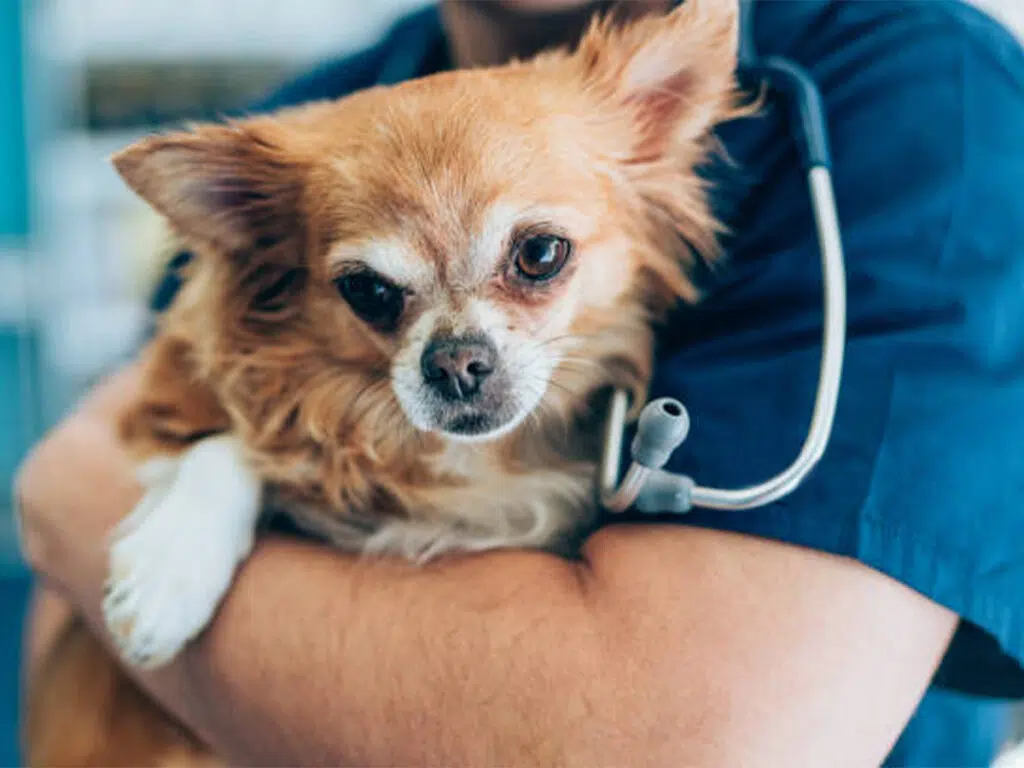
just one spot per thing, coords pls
(664, 423)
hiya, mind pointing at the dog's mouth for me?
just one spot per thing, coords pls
(486, 419)
(488, 415)
(471, 424)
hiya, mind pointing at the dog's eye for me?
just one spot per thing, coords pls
(541, 257)
(374, 299)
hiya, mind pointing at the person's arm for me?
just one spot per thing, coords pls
(667, 646)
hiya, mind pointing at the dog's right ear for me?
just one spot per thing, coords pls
(673, 75)
(229, 186)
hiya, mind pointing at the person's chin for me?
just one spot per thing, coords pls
(542, 6)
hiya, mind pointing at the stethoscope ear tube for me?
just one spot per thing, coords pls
(645, 484)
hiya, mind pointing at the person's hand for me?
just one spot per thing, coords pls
(75, 485)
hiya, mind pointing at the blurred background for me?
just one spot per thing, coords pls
(78, 80)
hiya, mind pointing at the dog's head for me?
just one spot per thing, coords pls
(487, 240)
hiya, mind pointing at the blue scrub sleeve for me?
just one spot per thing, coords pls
(924, 476)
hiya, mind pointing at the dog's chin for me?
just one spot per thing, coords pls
(479, 422)
(478, 426)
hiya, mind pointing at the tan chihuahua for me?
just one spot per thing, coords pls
(405, 310)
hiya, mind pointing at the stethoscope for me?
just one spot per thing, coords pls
(664, 423)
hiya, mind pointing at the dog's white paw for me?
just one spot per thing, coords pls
(172, 560)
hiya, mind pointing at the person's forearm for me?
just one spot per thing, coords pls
(386, 664)
(489, 659)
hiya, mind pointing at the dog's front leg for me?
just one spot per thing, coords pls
(173, 558)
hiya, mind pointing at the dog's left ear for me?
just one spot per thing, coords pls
(673, 74)
(230, 186)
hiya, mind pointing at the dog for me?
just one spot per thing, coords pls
(404, 314)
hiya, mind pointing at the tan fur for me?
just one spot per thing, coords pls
(84, 711)
(259, 342)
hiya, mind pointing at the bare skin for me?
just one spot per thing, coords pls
(667, 645)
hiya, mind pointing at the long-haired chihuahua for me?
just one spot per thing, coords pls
(404, 312)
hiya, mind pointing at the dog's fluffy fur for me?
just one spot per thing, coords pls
(263, 388)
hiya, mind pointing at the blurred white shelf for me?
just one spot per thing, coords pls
(74, 167)
(299, 30)
(84, 339)
(16, 277)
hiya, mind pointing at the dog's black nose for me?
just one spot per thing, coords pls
(455, 367)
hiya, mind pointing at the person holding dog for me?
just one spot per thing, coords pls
(874, 616)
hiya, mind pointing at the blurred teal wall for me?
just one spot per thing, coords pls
(15, 343)
(14, 203)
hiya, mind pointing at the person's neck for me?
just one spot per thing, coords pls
(484, 33)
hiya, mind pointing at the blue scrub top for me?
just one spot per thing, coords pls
(924, 476)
